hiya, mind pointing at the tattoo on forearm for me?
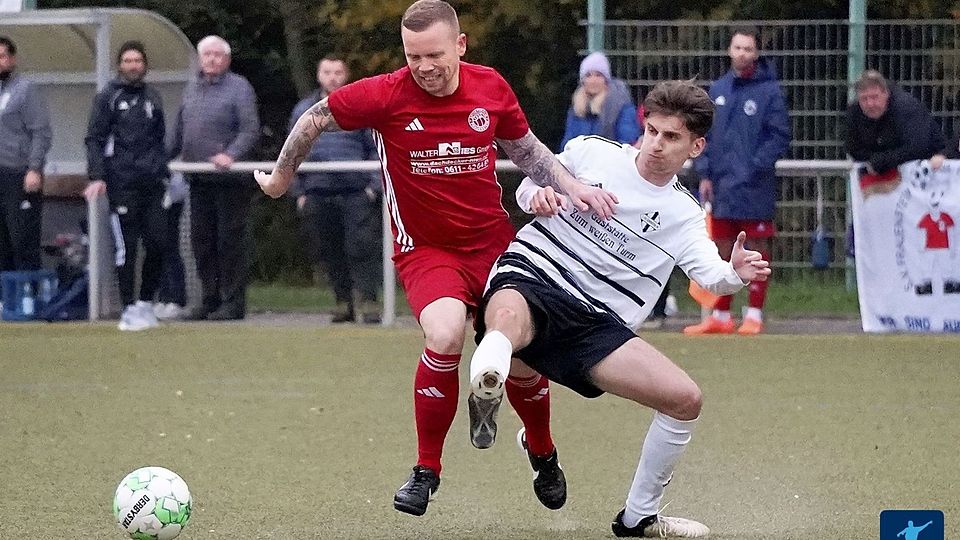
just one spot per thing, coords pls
(309, 126)
(535, 160)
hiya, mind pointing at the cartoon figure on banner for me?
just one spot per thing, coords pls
(936, 244)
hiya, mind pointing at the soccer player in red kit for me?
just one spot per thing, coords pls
(437, 123)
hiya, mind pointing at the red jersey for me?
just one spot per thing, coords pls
(938, 230)
(437, 154)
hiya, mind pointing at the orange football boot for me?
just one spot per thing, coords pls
(750, 327)
(710, 325)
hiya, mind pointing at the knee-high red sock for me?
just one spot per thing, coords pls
(758, 289)
(436, 388)
(723, 303)
(530, 397)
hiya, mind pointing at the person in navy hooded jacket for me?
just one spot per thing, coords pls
(751, 130)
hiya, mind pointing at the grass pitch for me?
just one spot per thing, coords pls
(293, 433)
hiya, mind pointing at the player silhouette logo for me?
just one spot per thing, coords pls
(910, 532)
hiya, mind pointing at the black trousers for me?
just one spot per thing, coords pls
(219, 232)
(660, 308)
(141, 217)
(20, 214)
(343, 233)
(173, 281)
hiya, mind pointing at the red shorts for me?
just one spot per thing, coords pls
(429, 273)
(721, 228)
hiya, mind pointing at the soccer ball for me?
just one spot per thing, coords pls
(152, 503)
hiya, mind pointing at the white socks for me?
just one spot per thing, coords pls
(490, 362)
(666, 440)
(752, 313)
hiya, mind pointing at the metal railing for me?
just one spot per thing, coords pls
(811, 58)
(796, 220)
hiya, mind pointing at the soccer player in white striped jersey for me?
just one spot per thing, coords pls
(566, 297)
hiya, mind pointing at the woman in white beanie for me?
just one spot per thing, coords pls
(601, 105)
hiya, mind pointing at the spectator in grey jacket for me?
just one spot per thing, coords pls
(341, 211)
(218, 123)
(24, 141)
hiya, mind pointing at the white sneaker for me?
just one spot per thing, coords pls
(145, 310)
(657, 526)
(671, 308)
(667, 526)
(131, 320)
(654, 323)
(168, 312)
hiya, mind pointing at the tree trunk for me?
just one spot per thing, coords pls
(296, 24)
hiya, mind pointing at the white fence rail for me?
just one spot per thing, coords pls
(101, 243)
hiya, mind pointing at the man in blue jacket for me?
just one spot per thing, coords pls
(751, 130)
(341, 211)
(127, 159)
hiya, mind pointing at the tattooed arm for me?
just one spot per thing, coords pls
(543, 167)
(309, 126)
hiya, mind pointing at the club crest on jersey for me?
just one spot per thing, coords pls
(651, 221)
(479, 119)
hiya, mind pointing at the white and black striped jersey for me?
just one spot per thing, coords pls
(620, 265)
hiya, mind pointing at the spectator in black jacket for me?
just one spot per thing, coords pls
(341, 211)
(127, 159)
(887, 127)
(950, 151)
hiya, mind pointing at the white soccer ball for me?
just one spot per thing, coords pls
(152, 503)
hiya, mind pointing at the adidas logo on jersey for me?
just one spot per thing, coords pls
(415, 125)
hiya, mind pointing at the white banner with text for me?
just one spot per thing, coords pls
(907, 240)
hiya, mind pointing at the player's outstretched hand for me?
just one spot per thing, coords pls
(267, 184)
(599, 200)
(547, 202)
(749, 265)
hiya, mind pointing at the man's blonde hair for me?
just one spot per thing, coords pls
(871, 78)
(422, 14)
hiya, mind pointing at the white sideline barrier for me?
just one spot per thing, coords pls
(99, 227)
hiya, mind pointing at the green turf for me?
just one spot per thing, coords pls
(803, 297)
(305, 433)
(275, 297)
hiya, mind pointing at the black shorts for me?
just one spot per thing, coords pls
(569, 338)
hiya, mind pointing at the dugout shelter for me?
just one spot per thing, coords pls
(71, 53)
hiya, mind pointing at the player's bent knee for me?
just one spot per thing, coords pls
(686, 404)
(445, 338)
(503, 317)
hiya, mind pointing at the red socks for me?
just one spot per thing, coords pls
(530, 397)
(436, 388)
(758, 289)
(436, 395)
